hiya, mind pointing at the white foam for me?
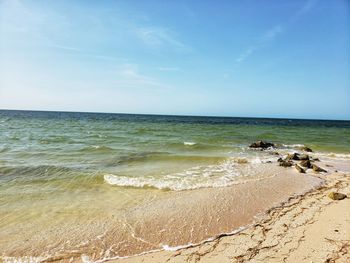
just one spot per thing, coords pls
(257, 160)
(293, 145)
(28, 259)
(189, 143)
(169, 248)
(167, 183)
(86, 259)
(342, 156)
(224, 174)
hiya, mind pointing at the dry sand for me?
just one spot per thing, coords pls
(307, 228)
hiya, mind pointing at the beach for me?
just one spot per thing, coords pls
(306, 228)
(81, 187)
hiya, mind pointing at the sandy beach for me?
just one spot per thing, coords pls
(307, 228)
(97, 195)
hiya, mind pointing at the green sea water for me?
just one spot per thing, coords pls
(50, 147)
(59, 168)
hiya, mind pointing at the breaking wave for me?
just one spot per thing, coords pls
(232, 171)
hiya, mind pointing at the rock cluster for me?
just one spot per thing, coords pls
(305, 161)
(262, 145)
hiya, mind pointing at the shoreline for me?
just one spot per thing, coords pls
(180, 226)
(190, 217)
(287, 232)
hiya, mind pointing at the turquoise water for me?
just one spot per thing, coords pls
(67, 170)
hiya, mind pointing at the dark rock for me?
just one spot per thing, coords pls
(337, 196)
(286, 163)
(306, 163)
(279, 160)
(299, 168)
(318, 169)
(274, 153)
(305, 149)
(315, 159)
(303, 157)
(268, 162)
(262, 145)
(293, 156)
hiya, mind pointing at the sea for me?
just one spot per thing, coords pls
(83, 186)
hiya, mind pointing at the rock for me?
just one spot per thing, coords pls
(279, 160)
(316, 159)
(293, 156)
(306, 163)
(286, 163)
(304, 157)
(241, 160)
(318, 169)
(299, 168)
(337, 196)
(274, 153)
(262, 145)
(305, 149)
(268, 162)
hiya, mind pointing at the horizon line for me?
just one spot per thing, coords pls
(175, 115)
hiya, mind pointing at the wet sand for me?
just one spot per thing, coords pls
(306, 228)
(232, 222)
(177, 218)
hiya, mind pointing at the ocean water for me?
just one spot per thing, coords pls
(81, 171)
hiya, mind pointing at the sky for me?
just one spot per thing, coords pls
(283, 59)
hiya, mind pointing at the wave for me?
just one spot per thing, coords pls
(219, 175)
(189, 143)
(4, 149)
(39, 170)
(224, 174)
(162, 157)
(96, 148)
(45, 174)
(297, 145)
(332, 155)
(163, 184)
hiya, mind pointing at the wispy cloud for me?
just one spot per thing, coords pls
(272, 33)
(308, 5)
(86, 53)
(157, 37)
(268, 36)
(128, 76)
(275, 31)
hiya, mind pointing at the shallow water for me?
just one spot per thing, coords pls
(73, 177)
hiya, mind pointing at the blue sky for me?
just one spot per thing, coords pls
(226, 58)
